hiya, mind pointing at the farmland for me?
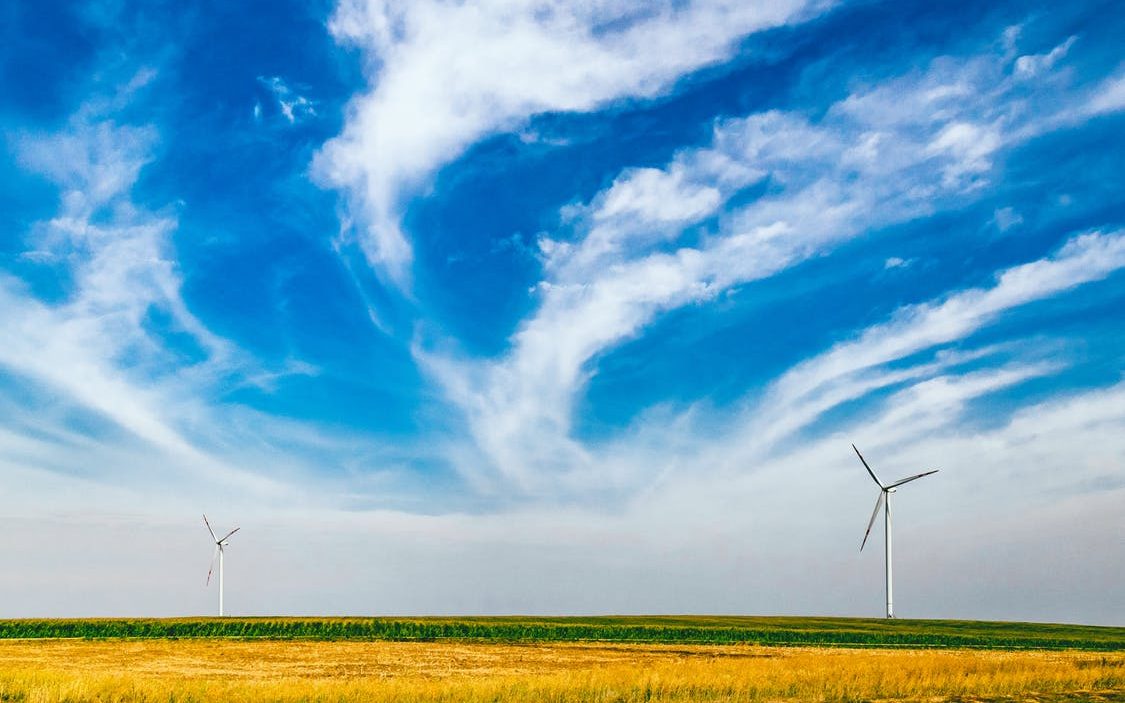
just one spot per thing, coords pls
(245, 670)
(588, 660)
(766, 631)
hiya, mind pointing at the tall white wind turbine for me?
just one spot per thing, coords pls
(219, 544)
(884, 501)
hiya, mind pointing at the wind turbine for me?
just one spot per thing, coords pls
(219, 544)
(884, 501)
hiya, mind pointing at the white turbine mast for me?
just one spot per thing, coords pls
(884, 501)
(219, 544)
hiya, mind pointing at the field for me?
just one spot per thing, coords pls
(510, 660)
(779, 631)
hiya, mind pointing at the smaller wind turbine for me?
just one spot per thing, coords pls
(219, 544)
(884, 500)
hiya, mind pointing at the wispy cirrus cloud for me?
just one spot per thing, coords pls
(891, 152)
(843, 372)
(294, 106)
(120, 270)
(1031, 65)
(118, 375)
(446, 75)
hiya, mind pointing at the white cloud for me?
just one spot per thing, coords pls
(1086, 258)
(888, 153)
(1107, 97)
(444, 75)
(294, 107)
(1006, 218)
(929, 393)
(106, 393)
(971, 146)
(1032, 65)
(121, 270)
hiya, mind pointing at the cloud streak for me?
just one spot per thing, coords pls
(121, 374)
(896, 151)
(446, 75)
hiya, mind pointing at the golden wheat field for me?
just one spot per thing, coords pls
(224, 670)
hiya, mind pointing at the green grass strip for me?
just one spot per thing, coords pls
(782, 631)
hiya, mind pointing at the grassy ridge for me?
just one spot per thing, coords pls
(664, 629)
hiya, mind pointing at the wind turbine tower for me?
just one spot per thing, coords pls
(219, 544)
(884, 501)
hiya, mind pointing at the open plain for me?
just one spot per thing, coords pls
(509, 669)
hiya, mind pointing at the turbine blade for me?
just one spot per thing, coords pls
(211, 568)
(912, 478)
(868, 468)
(871, 522)
(224, 539)
(209, 528)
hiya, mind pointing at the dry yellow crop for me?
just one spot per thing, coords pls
(42, 671)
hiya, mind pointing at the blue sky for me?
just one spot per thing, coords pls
(519, 307)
